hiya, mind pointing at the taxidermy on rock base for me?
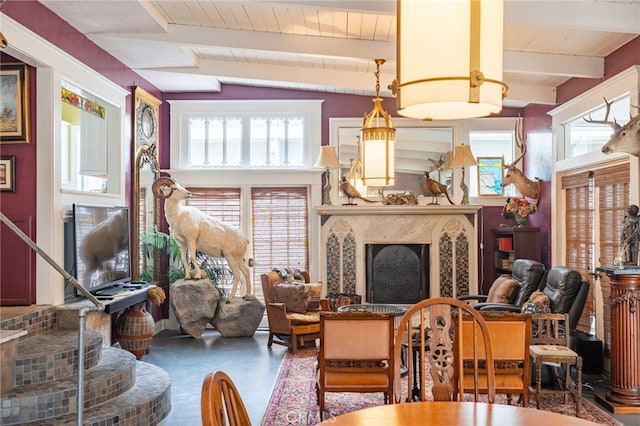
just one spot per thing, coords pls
(195, 230)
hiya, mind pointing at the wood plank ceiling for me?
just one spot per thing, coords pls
(189, 45)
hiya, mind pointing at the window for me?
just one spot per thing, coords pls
(224, 205)
(491, 143)
(280, 229)
(583, 137)
(245, 134)
(279, 224)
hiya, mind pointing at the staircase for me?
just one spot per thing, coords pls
(39, 377)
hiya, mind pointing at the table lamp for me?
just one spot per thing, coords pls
(463, 157)
(328, 159)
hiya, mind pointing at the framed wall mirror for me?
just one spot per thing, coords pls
(145, 208)
(420, 147)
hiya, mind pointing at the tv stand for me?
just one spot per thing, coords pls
(67, 314)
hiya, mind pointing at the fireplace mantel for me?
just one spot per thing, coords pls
(451, 232)
(398, 210)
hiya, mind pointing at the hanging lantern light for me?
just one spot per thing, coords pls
(449, 59)
(378, 139)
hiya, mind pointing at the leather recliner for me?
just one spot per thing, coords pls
(528, 275)
(567, 292)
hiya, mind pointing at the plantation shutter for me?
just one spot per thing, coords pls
(579, 235)
(613, 201)
(280, 229)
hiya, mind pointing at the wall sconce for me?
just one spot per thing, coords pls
(463, 157)
(449, 59)
(328, 159)
(378, 138)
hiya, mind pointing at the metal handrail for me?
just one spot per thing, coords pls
(98, 306)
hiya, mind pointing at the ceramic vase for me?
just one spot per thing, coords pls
(521, 220)
(134, 330)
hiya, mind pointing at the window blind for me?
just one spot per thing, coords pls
(224, 205)
(580, 245)
(613, 201)
(280, 229)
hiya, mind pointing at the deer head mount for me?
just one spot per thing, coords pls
(625, 138)
(527, 187)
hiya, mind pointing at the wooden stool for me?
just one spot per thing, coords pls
(551, 330)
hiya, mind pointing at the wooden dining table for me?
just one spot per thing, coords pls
(453, 413)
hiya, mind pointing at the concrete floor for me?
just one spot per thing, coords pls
(253, 367)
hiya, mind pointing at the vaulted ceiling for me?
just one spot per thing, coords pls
(325, 45)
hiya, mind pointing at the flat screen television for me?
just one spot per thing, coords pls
(101, 246)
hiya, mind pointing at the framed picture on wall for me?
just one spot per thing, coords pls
(14, 110)
(490, 174)
(8, 173)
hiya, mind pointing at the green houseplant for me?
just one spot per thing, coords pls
(169, 249)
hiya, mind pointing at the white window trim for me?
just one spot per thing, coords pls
(181, 111)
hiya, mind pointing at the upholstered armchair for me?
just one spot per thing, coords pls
(509, 293)
(293, 310)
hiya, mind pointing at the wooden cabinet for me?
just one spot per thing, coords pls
(511, 243)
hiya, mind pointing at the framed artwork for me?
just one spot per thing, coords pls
(14, 110)
(8, 173)
(145, 118)
(490, 174)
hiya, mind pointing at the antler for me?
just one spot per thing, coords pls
(613, 123)
(521, 142)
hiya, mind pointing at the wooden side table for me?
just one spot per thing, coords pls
(624, 395)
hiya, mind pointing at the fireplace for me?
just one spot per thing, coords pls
(397, 273)
(443, 238)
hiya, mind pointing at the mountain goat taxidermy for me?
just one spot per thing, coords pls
(194, 230)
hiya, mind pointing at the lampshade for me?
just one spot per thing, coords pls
(378, 140)
(463, 157)
(448, 158)
(449, 59)
(328, 158)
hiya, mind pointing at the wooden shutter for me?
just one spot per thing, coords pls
(280, 229)
(580, 245)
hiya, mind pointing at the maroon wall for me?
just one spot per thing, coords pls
(618, 61)
(17, 261)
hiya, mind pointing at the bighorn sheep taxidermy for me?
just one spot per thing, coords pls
(527, 187)
(195, 230)
(625, 138)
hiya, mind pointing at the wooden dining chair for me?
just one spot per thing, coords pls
(550, 346)
(511, 337)
(428, 335)
(221, 403)
(356, 354)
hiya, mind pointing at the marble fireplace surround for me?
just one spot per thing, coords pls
(451, 232)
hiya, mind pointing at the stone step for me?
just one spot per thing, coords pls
(145, 404)
(54, 355)
(109, 379)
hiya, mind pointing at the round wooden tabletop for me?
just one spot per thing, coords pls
(453, 413)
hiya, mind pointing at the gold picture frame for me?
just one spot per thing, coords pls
(8, 173)
(14, 106)
(145, 118)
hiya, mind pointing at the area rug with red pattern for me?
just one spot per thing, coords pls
(293, 400)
